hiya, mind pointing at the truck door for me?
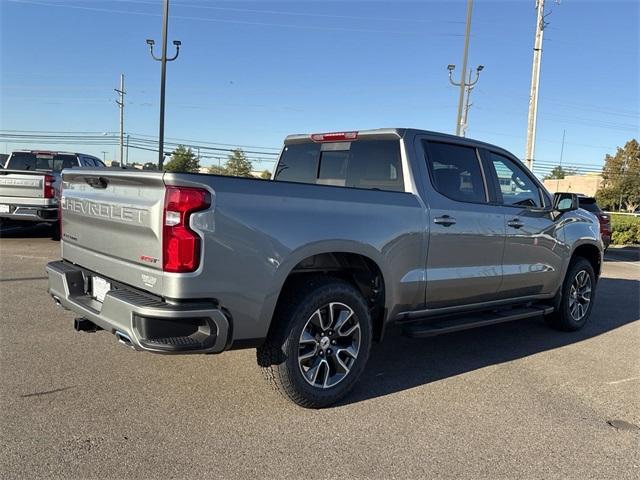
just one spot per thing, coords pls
(466, 227)
(533, 253)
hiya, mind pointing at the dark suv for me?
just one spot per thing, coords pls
(590, 205)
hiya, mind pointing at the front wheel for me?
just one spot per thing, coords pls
(578, 293)
(320, 343)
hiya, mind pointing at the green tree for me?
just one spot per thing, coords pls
(266, 174)
(621, 179)
(558, 173)
(217, 170)
(182, 160)
(150, 166)
(238, 165)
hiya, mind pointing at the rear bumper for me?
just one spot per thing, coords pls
(143, 321)
(31, 213)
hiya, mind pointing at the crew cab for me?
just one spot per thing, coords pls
(29, 182)
(355, 231)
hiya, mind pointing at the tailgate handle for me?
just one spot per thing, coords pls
(97, 182)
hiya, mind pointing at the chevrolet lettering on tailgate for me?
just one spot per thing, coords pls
(111, 211)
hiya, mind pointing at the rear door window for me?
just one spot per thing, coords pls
(368, 164)
(88, 162)
(455, 172)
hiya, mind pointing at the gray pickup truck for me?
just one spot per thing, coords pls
(29, 184)
(355, 231)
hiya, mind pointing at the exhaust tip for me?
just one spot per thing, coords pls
(124, 339)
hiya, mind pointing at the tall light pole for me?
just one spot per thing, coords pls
(163, 76)
(466, 87)
(535, 83)
(120, 102)
(465, 55)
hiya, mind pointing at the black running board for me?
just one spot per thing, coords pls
(444, 325)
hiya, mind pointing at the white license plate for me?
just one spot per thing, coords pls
(4, 208)
(99, 288)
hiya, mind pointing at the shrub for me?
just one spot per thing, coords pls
(626, 230)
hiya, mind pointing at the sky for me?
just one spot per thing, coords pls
(250, 73)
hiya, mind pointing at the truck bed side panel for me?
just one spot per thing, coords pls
(260, 230)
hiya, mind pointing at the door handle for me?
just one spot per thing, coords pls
(445, 220)
(515, 223)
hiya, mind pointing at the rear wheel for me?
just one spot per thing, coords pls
(320, 343)
(578, 291)
(55, 231)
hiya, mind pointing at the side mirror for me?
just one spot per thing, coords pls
(565, 202)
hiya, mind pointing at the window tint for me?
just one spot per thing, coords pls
(333, 168)
(455, 171)
(99, 163)
(299, 163)
(372, 164)
(64, 161)
(589, 204)
(88, 162)
(47, 162)
(515, 185)
(376, 164)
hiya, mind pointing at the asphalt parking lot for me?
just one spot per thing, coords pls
(510, 401)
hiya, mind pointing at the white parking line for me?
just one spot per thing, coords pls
(615, 382)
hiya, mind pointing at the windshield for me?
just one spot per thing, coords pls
(49, 162)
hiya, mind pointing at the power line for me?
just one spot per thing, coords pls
(235, 22)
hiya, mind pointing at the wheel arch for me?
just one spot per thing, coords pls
(359, 265)
(591, 252)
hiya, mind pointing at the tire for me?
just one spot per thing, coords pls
(578, 294)
(55, 231)
(319, 343)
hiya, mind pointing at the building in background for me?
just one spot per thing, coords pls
(587, 184)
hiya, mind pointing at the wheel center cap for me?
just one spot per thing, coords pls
(324, 343)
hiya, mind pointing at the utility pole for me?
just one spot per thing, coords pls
(465, 88)
(121, 92)
(465, 55)
(104, 156)
(564, 133)
(467, 106)
(163, 76)
(535, 82)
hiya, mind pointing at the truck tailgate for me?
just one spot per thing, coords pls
(21, 184)
(112, 224)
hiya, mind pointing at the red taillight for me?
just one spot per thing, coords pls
(181, 245)
(334, 137)
(47, 189)
(605, 224)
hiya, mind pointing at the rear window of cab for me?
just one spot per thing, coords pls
(368, 164)
(41, 161)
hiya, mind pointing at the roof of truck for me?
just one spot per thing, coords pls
(389, 133)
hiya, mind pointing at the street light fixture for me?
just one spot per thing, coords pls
(467, 86)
